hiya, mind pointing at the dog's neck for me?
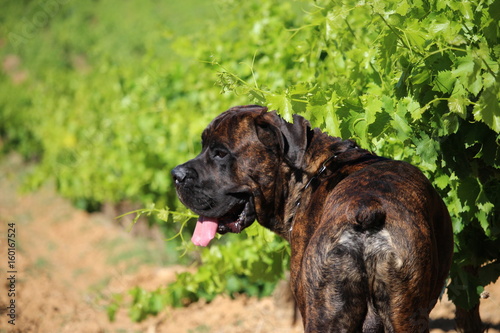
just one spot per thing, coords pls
(324, 159)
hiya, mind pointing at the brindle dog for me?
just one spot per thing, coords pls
(371, 239)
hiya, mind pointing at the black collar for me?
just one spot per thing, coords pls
(317, 176)
(319, 173)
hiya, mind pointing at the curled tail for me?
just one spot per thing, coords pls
(369, 213)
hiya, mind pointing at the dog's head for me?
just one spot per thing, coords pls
(236, 177)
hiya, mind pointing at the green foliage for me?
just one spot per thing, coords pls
(231, 268)
(416, 81)
(103, 108)
(109, 113)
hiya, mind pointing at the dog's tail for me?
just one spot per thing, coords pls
(370, 213)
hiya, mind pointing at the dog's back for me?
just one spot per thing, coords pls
(380, 253)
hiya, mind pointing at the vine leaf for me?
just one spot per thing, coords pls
(281, 103)
(487, 108)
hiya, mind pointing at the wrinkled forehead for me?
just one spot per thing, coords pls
(229, 127)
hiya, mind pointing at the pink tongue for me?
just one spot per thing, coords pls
(205, 231)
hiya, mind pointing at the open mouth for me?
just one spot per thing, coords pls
(234, 221)
(237, 219)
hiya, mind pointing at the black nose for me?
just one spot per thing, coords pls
(181, 174)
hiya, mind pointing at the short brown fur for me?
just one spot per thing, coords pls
(371, 239)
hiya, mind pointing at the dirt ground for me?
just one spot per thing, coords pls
(68, 263)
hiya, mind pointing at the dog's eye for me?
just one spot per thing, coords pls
(220, 153)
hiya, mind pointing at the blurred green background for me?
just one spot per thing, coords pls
(104, 94)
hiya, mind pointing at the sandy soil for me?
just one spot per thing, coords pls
(68, 264)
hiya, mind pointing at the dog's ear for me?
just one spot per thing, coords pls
(290, 139)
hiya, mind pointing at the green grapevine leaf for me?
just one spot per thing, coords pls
(487, 108)
(444, 82)
(442, 181)
(281, 103)
(458, 101)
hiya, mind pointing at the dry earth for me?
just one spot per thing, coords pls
(69, 263)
